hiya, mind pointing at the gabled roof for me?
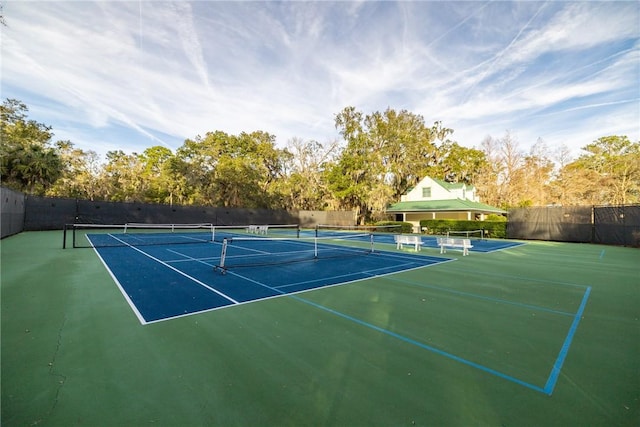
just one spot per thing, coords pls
(452, 185)
(442, 206)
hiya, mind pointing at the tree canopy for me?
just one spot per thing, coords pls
(380, 156)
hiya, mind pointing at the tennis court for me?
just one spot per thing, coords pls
(540, 333)
(167, 274)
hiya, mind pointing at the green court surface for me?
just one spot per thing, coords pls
(543, 334)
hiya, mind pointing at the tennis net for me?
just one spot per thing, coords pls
(113, 235)
(221, 232)
(265, 251)
(467, 234)
(139, 234)
(340, 230)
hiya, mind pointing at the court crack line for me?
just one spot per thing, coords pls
(62, 379)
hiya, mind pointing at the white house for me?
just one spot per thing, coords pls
(436, 199)
(430, 189)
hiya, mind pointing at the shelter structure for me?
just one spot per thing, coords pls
(436, 199)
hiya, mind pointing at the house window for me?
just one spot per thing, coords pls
(426, 192)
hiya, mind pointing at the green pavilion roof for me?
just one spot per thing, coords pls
(443, 205)
(452, 185)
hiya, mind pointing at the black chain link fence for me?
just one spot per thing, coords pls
(12, 210)
(33, 213)
(610, 225)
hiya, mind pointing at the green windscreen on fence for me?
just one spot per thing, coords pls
(617, 225)
(612, 225)
(559, 223)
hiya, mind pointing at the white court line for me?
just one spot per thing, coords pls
(279, 293)
(115, 279)
(180, 272)
(370, 273)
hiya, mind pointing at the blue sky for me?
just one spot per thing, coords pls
(127, 75)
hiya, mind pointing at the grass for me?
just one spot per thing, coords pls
(390, 351)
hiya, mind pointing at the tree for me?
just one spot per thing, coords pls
(503, 181)
(234, 171)
(461, 164)
(382, 155)
(386, 153)
(350, 179)
(305, 186)
(578, 186)
(159, 188)
(486, 180)
(535, 176)
(614, 163)
(405, 148)
(27, 161)
(80, 171)
(122, 178)
(36, 167)
(560, 185)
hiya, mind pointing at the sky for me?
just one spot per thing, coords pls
(129, 75)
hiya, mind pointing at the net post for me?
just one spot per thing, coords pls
(64, 237)
(371, 238)
(315, 247)
(223, 255)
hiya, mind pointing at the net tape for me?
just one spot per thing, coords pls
(141, 234)
(256, 251)
(468, 234)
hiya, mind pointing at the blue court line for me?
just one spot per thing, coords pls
(482, 297)
(400, 337)
(555, 372)
(524, 278)
(551, 380)
(422, 345)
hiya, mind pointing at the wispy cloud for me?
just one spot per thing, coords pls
(132, 74)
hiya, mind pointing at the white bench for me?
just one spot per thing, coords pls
(402, 239)
(448, 242)
(257, 229)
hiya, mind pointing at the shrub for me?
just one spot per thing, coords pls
(494, 229)
(405, 227)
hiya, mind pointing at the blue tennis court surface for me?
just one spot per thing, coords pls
(171, 280)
